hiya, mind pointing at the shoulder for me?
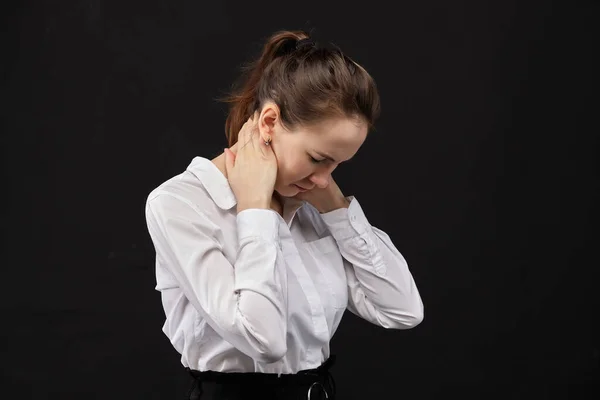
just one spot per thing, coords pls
(181, 195)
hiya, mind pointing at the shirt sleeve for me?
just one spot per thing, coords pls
(244, 300)
(381, 288)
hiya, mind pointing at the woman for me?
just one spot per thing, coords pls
(258, 251)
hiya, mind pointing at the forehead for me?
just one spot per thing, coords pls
(339, 136)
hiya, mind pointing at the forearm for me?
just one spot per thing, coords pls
(334, 204)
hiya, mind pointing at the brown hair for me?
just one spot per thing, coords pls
(309, 83)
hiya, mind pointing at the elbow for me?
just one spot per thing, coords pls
(274, 345)
(414, 311)
(415, 318)
(407, 318)
(265, 336)
(267, 345)
(415, 314)
(271, 352)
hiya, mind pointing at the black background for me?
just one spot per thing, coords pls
(482, 170)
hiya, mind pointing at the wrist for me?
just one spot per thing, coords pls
(264, 204)
(340, 203)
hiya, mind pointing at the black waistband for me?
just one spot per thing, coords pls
(301, 378)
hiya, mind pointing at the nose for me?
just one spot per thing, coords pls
(320, 179)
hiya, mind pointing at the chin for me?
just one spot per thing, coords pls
(287, 191)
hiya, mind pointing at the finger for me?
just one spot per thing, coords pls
(243, 130)
(255, 138)
(253, 131)
(246, 132)
(233, 156)
(228, 160)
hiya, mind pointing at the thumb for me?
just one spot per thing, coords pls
(228, 160)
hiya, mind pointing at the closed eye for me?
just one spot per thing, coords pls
(315, 161)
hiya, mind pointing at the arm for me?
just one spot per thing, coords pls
(246, 303)
(381, 288)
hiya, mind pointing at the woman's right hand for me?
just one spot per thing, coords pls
(252, 170)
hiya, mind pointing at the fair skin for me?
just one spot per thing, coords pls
(330, 142)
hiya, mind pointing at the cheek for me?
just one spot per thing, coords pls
(292, 172)
(292, 167)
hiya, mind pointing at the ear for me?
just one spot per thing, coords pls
(268, 119)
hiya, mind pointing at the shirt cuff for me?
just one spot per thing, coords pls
(257, 222)
(345, 223)
(353, 233)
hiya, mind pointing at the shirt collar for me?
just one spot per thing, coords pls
(214, 181)
(218, 188)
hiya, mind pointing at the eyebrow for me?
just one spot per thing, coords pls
(326, 156)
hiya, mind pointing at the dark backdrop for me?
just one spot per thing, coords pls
(482, 170)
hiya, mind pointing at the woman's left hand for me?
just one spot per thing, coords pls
(324, 200)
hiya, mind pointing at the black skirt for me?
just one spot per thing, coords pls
(311, 384)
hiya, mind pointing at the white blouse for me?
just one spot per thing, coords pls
(255, 292)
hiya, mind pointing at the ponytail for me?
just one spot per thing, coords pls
(244, 101)
(308, 82)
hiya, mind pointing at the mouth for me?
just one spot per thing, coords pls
(300, 188)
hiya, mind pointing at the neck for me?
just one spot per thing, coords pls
(219, 161)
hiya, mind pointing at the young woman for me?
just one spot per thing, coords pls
(258, 251)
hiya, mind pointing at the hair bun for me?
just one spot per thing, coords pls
(286, 47)
(305, 43)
